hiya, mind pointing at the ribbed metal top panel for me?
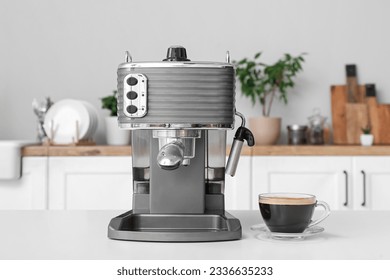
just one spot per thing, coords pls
(185, 97)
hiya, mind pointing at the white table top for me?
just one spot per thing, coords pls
(83, 235)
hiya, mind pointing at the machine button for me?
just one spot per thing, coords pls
(132, 81)
(132, 95)
(132, 109)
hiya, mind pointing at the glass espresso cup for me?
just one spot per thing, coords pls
(290, 212)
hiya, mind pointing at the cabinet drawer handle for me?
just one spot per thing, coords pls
(364, 188)
(346, 188)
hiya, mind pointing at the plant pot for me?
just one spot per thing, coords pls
(114, 135)
(266, 130)
(366, 139)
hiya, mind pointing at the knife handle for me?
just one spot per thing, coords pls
(370, 90)
(352, 84)
(351, 70)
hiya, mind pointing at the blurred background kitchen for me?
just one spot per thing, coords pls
(71, 49)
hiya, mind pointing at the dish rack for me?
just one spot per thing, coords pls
(70, 122)
(75, 142)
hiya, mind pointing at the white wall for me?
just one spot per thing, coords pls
(71, 49)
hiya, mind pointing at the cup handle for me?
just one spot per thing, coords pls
(324, 205)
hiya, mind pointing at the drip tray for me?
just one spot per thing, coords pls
(174, 227)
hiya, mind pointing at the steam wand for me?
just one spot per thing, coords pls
(242, 134)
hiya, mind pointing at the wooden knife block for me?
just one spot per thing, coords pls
(349, 118)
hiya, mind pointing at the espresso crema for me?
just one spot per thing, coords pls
(287, 199)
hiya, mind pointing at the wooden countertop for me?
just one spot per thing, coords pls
(276, 150)
(321, 150)
(61, 151)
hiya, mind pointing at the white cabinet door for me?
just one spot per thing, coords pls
(327, 177)
(238, 188)
(90, 182)
(28, 192)
(372, 182)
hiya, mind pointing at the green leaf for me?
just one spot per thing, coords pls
(110, 103)
(259, 80)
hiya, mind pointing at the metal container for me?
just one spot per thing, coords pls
(297, 134)
(316, 131)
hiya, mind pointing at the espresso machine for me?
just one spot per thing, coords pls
(179, 112)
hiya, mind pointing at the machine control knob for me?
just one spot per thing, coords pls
(132, 95)
(176, 53)
(132, 109)
(132, 81)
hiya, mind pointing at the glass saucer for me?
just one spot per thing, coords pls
(263, 230)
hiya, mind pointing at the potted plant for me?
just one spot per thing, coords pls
(114, 135)
(262, 82)
(366, 139)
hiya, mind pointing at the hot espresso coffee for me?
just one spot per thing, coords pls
(289, 212)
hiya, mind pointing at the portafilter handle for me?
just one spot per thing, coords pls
(242, 134)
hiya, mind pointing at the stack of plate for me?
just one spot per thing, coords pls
(69, 121)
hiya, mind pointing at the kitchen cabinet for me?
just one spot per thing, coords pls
(371, 183)
(29, 192)
(106, 183)
(344, 182)
(327, 177)
(95, 182)
(101, 177)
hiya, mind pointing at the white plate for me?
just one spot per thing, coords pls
(64, 118)
(94, 120)
(266, 233)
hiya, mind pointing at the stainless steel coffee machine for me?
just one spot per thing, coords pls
(179, 112)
